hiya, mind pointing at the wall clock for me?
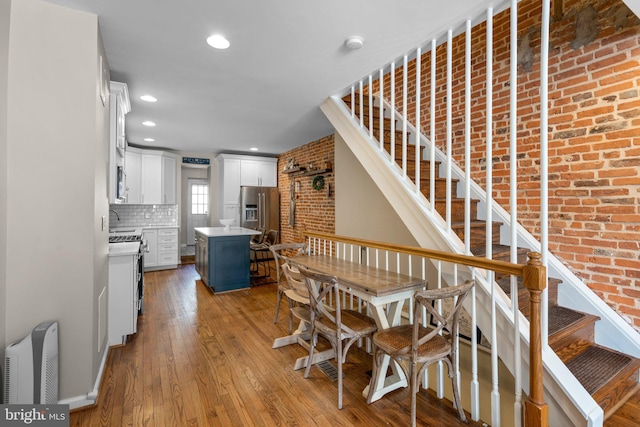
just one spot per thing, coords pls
(318, 182)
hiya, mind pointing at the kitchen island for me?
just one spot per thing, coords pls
(222, 257)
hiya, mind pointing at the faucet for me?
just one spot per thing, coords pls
(117, 216)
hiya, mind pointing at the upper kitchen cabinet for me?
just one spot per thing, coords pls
(119, 107)
(151, 177)
(259, 171)
(237, 170)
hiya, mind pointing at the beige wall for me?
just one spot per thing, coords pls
(5, 10)
(361, 209)
(56, 184)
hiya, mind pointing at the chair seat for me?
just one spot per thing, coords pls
(302, 312)
(360, 323)
(394, 339)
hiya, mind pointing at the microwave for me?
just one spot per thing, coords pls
(120, 183)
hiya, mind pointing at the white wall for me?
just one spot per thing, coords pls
(5, 10)
(56, 184)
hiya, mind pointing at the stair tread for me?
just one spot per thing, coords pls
(481, 251)
(473, 223)
(561, 318)
(596, 366)
(505, 283)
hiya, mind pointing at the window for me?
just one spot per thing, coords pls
(199, 199)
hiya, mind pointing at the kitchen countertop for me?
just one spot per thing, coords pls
(123, 248)
(125, 230)
(221, 232)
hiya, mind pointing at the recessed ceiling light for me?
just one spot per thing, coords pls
(148, 98)
(149, 139)
(148, 123)
(253, 149)
(218, 42)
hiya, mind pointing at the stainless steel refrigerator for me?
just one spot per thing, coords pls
(260, 208)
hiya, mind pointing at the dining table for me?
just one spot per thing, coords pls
(384, 291)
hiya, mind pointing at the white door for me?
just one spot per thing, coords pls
(198, 211)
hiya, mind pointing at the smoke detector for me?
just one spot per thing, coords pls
(354, 43)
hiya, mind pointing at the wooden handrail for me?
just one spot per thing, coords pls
(534, 278)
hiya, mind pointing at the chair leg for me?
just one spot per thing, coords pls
(339, 356)
(414, 392)
(374, 372)
(312, 346)
(275, 319)
(290, 316)
(456, 392)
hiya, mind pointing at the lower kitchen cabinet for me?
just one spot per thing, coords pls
(162, 248)
(223, 261)
(124, 276)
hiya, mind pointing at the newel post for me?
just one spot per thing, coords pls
(535, 280)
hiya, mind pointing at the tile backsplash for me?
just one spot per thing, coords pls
(143, 215)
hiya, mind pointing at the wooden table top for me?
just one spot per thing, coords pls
(370, 280)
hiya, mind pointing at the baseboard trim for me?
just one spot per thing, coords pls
(91, 397)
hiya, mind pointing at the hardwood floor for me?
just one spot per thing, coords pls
(204, 359)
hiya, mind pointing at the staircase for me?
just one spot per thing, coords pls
(610, 377)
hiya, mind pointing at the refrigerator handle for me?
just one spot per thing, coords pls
(260, 208)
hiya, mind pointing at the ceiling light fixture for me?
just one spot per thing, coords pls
(148, 98)
(253, 149)
(148, 123)
(149, 139)
(218, 42)
(354, 42)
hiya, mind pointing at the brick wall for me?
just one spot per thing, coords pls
(314, 209)
(594, 133)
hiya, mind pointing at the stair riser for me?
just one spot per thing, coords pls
(457, 209)
(617, 391)
(440, 188)
(479, 235)
(523, 298)
(565, 338)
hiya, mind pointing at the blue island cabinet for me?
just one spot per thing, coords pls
(222, 257)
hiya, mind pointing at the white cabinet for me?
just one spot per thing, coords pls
(133, 165)
(123, 297)
(261, 172)
(236, 171)
(230, 188)
(151, 257)
(119, 107)
(151, 177)
(169, 164)
(162, 248)
(168, 247)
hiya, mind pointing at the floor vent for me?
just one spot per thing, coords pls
(329, 370)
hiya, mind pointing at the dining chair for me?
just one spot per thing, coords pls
(260, 254)
(340, 327)
(414, 347)
(297, 295)
(278, 251)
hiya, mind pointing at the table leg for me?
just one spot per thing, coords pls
(301, 334)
